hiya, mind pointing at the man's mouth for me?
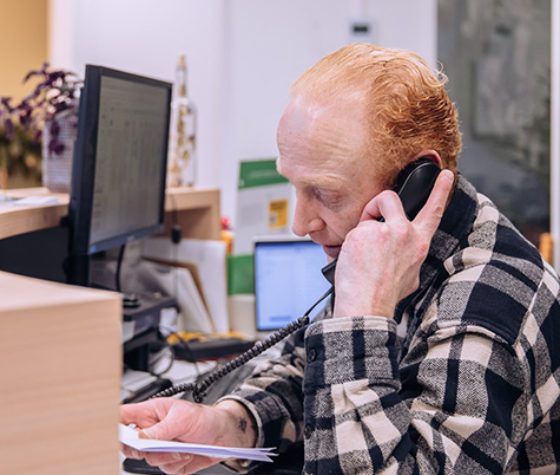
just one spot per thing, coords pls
(331, 251)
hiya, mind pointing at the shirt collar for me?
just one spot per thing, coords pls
(455, 226)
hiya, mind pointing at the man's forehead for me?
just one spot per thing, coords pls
(299, 117)
(326, 174)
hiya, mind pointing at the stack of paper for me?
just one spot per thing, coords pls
(179, 283)
(129, 436)
(209, 257)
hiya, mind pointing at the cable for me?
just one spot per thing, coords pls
(118, 272)
(198, 389)
(171, 356)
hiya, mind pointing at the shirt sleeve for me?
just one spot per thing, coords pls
(449, 406)
(455, 402)
(274, 398)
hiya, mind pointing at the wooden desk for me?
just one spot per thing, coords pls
(15, 219)
(61, 360)
(196, 210)
(60, 350)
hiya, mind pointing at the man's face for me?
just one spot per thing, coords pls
(324, 153)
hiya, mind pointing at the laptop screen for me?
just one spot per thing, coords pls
(288, 280)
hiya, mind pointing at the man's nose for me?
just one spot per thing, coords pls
(306, 221)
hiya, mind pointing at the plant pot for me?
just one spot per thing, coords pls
(57, 167)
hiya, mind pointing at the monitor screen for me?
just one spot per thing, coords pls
(288, 280)
(120, 160)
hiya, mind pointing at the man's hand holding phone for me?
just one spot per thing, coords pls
(379, 263)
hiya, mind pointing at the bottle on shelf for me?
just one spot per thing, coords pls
(182, 166)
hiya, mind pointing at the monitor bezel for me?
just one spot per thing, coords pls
(84, 162)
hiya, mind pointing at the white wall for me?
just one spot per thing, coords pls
(242, 56)
(271, 43)
(146, 37)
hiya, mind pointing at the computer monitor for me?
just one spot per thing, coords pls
(288, 280)
(120, 160)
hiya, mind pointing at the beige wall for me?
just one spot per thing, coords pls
(23, 43)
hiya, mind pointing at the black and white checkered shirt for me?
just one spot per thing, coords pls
(464, 379)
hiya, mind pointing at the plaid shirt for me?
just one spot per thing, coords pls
(464, 379)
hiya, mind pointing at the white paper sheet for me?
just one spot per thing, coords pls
(36, 201)
(178, 283)
(129, 436)
(210, 258)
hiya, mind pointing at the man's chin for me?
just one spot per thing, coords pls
(331, 252)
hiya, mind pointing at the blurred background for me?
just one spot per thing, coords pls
(242, 56)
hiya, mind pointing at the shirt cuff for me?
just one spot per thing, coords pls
(344, 349)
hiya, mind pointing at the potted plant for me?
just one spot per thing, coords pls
(49, 114)
(20, 154)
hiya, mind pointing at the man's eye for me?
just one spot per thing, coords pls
(328, 198)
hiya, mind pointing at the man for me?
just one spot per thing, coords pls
(439, 354)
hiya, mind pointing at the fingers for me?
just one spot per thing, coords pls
(164, 418)
(163, 430)
(130, 452)
(147, 413)
(161, 459)
(429, 217)
(386, 204)
(189, 465)
(178, 463)
(172, 424)
(141, 413)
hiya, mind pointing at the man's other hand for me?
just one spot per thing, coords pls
(226, 424)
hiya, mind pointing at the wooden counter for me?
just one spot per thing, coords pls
(60, 345)
(60, 353)
(196, 210)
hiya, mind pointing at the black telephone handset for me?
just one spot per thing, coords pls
(414, 185)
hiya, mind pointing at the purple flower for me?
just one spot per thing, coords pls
(5, 101)
(73, 121)
(9, 128)
(54, 129)
(56, 147)
(61, 106)
(55, 93)
(36, 72)
(37, 136)
(25, 117)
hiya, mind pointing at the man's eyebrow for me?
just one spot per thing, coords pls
(325, 182)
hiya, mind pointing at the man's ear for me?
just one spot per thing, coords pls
(430, 155)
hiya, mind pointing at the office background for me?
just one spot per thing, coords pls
(242, 57)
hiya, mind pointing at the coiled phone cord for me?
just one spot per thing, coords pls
(198, 389)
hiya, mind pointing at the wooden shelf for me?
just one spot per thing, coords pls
(16, 219)
(196, 210)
